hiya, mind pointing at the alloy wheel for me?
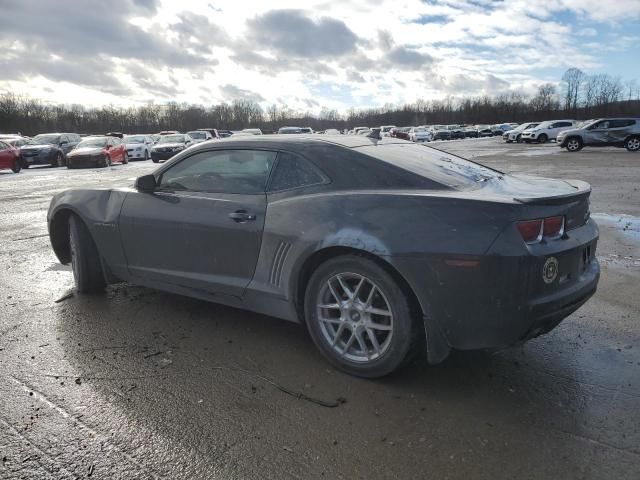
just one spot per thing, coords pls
(356, 319)
(633, 144)
(573, 145)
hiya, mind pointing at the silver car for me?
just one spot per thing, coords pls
(603, 132)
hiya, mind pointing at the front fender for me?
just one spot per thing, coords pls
(99, 210)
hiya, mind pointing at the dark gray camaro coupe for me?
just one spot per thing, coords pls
(373, 244)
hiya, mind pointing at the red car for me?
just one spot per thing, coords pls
(97, 151)
(402, 133)
(9, 157)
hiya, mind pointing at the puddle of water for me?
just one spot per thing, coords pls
(627, 225)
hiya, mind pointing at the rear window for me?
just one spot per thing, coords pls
(433, 164)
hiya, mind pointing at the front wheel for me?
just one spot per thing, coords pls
(85, 259)
(125, 158)
(632, 144)
(358, 316)
(146, 155)
(16, 166)
(59, 160)
(543, 138)
(519, 139)
(574, 145)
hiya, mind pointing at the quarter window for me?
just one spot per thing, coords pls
(221, 171)
(292, 172)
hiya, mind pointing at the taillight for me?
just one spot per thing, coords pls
(533, 231)
(553, 227)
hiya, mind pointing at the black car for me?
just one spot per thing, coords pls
(441, 132)
(457, 132)
(370, 243)
(49, 149)
(169, 145)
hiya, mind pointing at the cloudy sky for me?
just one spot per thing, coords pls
(309, 54)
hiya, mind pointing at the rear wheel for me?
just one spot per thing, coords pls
(85, 259)
(358, 316)
(632, 144)
(543, 138)
(16, 166)
(574, 144)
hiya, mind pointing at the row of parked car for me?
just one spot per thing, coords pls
(74, 150)
(574, 135)
(428, 133)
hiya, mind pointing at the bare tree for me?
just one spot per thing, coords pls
(572, 80)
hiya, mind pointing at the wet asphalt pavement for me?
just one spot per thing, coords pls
(136, 383)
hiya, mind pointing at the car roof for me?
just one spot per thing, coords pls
(278, 141)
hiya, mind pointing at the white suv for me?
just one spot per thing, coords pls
(546, 131)
(515, 135)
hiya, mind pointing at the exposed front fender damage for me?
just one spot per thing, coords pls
(99, 210)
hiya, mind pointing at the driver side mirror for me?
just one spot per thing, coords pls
(146, 183)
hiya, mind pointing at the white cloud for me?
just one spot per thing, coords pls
(315, 53)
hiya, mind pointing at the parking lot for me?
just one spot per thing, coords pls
(136, 383)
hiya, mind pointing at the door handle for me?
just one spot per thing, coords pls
(242, 216)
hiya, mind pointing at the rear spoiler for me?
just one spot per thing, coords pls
(578, 195)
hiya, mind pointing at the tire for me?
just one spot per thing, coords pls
(16, 166)
(146, 155)
(125, 158)
(85, 259)
(632, 144)
(58, 161)
(543, 138)
(573, 144)
(106, 162)
(155, 160)
(360, 356)
(25, 165)
(519, 138)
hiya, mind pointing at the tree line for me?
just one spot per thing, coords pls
(577, 96)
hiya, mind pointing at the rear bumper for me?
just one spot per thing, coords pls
(503, 300)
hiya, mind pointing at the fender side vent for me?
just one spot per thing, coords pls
(278, 261)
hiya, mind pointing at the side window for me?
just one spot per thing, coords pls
(3, 146)
(221, 171)
(604, 124)
(622, 123)
(64, 138)
(293, 171)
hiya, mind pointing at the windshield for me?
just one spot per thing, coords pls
(419, 129)
(432, 163)
(42, 139)
(172, 139)
(134, 139)
(386, 129)
(198, 135)
(92, 142)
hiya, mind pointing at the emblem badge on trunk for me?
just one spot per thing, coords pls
(550, 270)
